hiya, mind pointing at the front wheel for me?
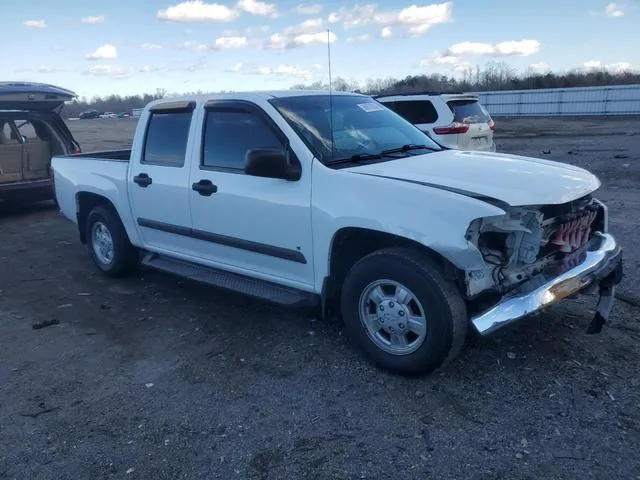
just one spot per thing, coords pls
(398, 307)
(108, 243)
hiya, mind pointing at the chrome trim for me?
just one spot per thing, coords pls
(597, 264)
(605, 210)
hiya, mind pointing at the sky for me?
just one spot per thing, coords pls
(129, 47)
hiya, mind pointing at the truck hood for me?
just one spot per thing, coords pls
(498, 178)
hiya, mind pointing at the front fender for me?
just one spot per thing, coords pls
(435, 218)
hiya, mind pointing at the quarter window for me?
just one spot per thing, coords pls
(229, 134)
(167, 136)
(415, 111)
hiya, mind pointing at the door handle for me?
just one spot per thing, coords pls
(143, 180)
(204, 187)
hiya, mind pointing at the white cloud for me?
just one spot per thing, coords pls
(359, 39)
(235, 68)
(201, 65)
(614, 10)
(195, 46)
(258, 8)
(612, 67)
(279, 70)
(35, 23)
(503, 49)
(42, 69)
(198, 11)
(447, 61)
(417, 18)
(593, 64)
(92, 20)
(474, 48)
(540, 66)
(309, 9)
(297, 37)
(103, 52)
(148, 69)
(522, 48)
(260, 29)
(225, 43)
(462, 67)
(619, 66)
(111, 71)
(386, 32)
(313, 25)
(151, 46)
(417, 30)
(437, 59)
(356, 16)
(286, 71)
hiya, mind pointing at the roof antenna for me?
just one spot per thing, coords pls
(330, 88)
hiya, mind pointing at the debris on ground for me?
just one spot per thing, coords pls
(45, 323)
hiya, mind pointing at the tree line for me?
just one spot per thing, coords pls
(493, 76)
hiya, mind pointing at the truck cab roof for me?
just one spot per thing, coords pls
(251, 96)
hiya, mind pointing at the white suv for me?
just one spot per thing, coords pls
(456, 121)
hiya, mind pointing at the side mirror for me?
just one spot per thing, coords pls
(271, 163)
(24, 139)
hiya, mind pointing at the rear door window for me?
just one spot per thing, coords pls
(468, 111)
(167, 136)
(415, 111)
(7, 134)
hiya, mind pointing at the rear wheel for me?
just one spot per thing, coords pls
(398, 307)
(108, 243)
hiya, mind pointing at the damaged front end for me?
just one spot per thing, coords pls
(535, 256)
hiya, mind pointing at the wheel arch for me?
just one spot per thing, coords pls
(350, 244)
(85, 202)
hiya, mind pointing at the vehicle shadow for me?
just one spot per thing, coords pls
(9, 210)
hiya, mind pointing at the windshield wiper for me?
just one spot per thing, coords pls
(406, 148)
(359, 157)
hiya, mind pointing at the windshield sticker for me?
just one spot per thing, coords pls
(371, 107)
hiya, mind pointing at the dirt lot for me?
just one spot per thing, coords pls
(154, 378)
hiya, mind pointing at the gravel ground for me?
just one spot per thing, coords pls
(154, 378)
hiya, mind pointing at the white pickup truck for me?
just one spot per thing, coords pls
(336, 203)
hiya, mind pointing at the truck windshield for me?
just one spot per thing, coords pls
(348, 127)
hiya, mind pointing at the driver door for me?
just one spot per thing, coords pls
(257, 226)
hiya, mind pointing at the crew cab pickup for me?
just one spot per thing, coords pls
(333, 202)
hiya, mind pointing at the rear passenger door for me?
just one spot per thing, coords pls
(257, 226)
(158, 178)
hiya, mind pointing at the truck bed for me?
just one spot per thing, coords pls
(102, 173)
(122, 155)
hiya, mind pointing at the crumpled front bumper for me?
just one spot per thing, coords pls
(601, 266)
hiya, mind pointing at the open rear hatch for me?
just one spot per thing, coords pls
(31, 130)
(33, 96)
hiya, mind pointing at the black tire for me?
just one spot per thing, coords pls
(125, 255)
(439, 298)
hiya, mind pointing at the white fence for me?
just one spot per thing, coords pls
(609, 100)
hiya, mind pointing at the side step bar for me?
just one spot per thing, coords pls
(251, 287)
